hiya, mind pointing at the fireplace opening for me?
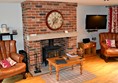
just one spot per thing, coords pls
(50, 51)
(51, 42)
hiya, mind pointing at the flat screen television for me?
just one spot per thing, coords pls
(96, 22)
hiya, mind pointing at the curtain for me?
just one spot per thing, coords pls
(113, 19)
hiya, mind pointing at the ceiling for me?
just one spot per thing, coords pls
(80, 2)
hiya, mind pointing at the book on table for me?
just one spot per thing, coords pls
(60, 61)
(72, 57)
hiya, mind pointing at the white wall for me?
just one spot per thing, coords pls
(11, 14)
(82, 11)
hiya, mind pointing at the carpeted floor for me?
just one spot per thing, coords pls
(65, 76)
(69, 76)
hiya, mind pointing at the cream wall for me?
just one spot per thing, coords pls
(11, 14)
(82, 11)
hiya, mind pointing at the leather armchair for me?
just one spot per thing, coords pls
(8, 49)
(105, 50)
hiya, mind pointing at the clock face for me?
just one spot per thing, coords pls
(54, 20)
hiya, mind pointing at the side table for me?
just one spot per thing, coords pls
(6, 34)
(89, 48)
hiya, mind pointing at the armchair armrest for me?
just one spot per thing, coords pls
(104, 45)
(17, 57)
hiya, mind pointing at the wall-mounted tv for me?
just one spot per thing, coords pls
(96, 22)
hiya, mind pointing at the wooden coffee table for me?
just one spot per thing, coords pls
(71, 62)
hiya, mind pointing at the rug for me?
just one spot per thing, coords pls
(13, 79)
(19, 79)
(69, 76)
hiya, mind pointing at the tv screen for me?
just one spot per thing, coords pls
(96, 21)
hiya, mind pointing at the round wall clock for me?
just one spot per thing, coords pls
(54, 20)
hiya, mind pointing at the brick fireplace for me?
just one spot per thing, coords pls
(36, 33)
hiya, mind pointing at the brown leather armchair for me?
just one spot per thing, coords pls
(8, 49)
(105, 50)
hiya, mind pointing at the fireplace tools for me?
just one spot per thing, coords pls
(37, 64)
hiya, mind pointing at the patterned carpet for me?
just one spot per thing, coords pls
(69, 76)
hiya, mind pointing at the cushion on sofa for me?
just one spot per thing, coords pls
(110, 43)
(12, 62)
(5, 63)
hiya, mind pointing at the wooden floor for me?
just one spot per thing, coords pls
(105, 72)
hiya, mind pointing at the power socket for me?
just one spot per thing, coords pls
(94, 38)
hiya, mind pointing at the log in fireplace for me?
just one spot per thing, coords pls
(50, 51)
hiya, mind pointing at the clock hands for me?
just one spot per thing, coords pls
(55, 20)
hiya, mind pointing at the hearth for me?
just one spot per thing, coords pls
(50, 51)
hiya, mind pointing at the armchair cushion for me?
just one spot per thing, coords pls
(5, 63)
(110, 43)
(111, 52)
(11, 61)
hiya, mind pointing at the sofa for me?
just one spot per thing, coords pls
(106, 50)
(8, 49)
